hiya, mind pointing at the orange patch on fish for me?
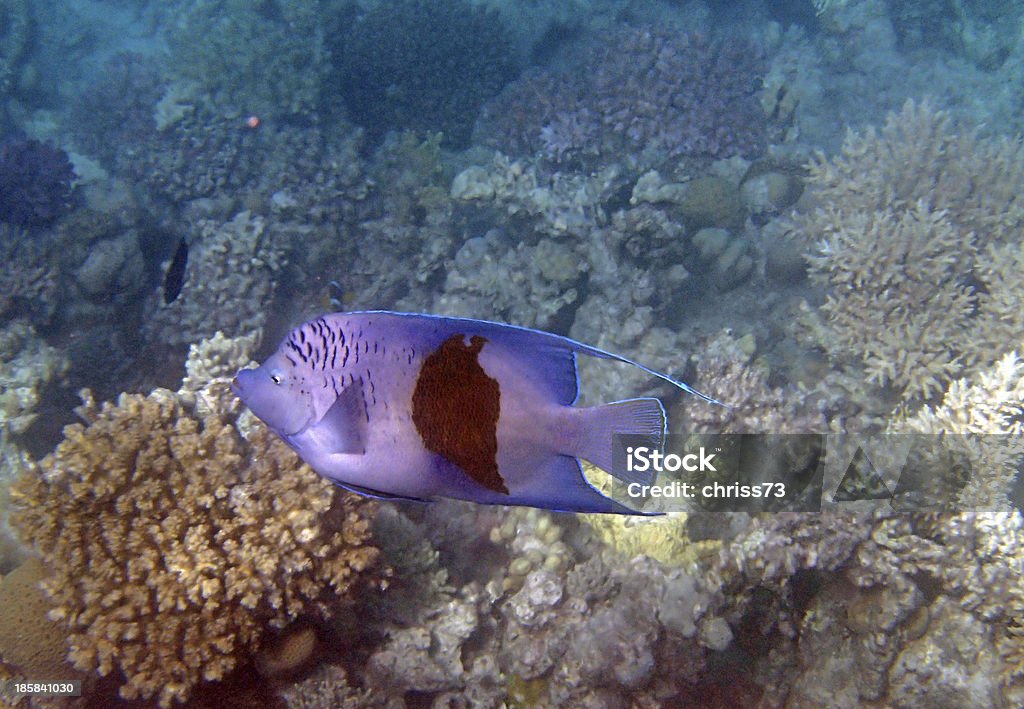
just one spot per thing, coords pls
(455, 407)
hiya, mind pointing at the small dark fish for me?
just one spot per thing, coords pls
(420, 406)
(175, 276)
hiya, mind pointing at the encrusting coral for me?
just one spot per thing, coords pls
(176, 542)
(914, 228)
(28, 639)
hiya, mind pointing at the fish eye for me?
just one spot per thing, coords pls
(276, 378)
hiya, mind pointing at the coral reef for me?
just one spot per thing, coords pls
(985, 419)
(643, 93)
(229, 281)
(905, 219)
(565, 245)
(176, 543)
(198, 156)
(889, 594)
(424, 66)
(27, 366)
(28, 282)
(35, 182)
(267, 60)
(14, 40)
(520, 283)
(115, 114)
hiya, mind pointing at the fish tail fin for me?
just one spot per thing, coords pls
(634, 417)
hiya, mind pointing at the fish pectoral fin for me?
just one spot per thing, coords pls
(343, 428)
(370, 492)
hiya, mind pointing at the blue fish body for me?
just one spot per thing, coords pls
(421, 406)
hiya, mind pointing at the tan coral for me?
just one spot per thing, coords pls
(727, 370)
(176, 543)
(912, 237)
(986, 418)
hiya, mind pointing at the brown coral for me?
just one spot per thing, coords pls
(911, 240)
(175, 542)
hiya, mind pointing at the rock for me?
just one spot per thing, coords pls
(113, 266)
(472, 183)
(726, 258)
(704, 201)
(769, 187)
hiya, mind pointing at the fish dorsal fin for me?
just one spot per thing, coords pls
(343, 428)
(553, 356)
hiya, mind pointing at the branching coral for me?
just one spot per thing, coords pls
(985, 422)
(912, 238)
(175, 542)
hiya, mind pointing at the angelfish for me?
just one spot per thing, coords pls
(405, 405)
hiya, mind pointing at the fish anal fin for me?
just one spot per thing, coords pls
(557, 483)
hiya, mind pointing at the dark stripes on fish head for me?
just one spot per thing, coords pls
(316, 344)
(455, 407)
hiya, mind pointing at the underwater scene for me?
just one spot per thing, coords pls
(511, 353)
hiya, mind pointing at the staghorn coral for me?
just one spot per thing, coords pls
(914, 227)
(175, 542)
(894, 297)
(988, 414)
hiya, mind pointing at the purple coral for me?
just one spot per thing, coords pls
(35, 182)
(646, 93)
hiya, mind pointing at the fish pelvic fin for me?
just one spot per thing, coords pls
(600, 424)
